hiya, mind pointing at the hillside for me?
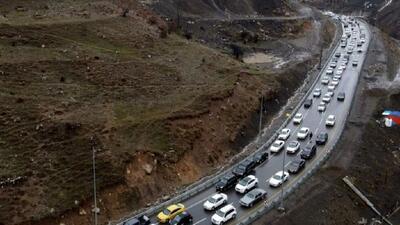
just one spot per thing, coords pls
(160, 110)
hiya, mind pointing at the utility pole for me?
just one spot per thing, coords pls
(95, 210)
(261, 113)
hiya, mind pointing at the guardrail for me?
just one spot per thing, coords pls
(265, 208)
(210, 181)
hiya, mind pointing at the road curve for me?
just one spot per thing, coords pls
(311, 119)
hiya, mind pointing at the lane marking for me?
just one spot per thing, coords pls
(198, 202)
(200, 221)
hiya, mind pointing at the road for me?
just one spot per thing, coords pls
(311, 119)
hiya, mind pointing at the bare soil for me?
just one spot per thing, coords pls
(160, 111)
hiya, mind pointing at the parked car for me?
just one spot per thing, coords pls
(321, 107)
(284, 134)
(330, 121)
(170, 212)
(246, 184)
(303, 133)
(308, 103)
(298, 118)
(341, 96)
(224, 214)
(261, 157)
(142, 220)
(244, 168)
(277, 146)
(309, 151)
(317, 92)
(296, 165)
(184, 218)
(292, 147)
(322, 138)
(278, 178)
(227, 182)
(215, 201)
(253, 197)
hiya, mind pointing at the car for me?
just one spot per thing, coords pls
(184, 218)
(349, 51)
(142, 220)
(309, 151)
(343, 45)
(362, 40)
(244, 168)
(355, 62)
(215, 201)
(277, 146)
(331, 87)
(346, 57)
(308, 103)
(326, 98)
(284, 134)
(330, 93)
(296, 165)
(325, 80)
(337, 77)
(321, 107)
(329, 71)
(359, 50)
(292, 147)
(339, 71)
(317, 92)
(261, 157)
(297, 118)
(338, 54)
(227, 182)
(170, 212)
(224, 214)
(359, 44)
(335, 82)
(303, 133)
(246, 184)
(322, 138)
(330, 121)
(253, 197)
(333, 65)
(278, 178)
(341, 96)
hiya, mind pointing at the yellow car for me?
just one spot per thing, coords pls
(170, 212)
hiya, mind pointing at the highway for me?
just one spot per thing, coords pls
(312, 119)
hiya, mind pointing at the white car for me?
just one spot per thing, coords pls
(330, 93)
(322, 107)
(278, 178)
(303, 133)
(326, 98)
(332, 65)
(317, 92)
(329, 71)
(224, 214)
(337, 77)
(293, 147)
(335, 82)
(284, 134)
(339, 71)
(246, 184)
(297, 118)
(215, 201)
(331, 87)
(325, 80)
(277, 146)
(330, 121)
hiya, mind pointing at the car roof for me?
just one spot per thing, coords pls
(172, 207)
(226, 208)
(228, 176)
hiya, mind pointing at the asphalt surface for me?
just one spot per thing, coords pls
(311, 119)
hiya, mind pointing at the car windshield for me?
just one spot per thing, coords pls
(321, 136)
(220, 213)
(277, 177)
(298, 116)
(166, 212)
(212, 200)
(303, 131)
(244, 181)
(293, 144)
(276, 144)
(250, 195)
